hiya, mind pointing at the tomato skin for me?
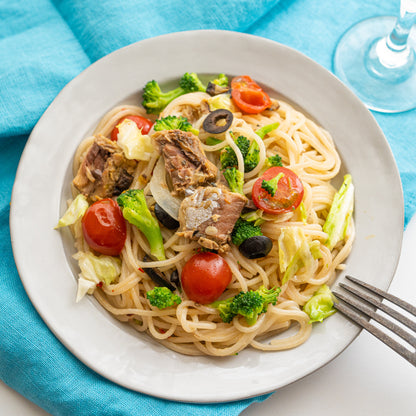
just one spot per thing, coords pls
(205, 276)
(288, 196)
(143, 124)
(248, 95)
(104, 227)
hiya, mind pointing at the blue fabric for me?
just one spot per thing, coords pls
(43, 45)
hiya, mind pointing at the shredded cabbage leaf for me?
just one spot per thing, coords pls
(134, 144)
(220, 101)
(75, 211)
(320, 305)
(95, 269)
(340, 214)
(296, 251)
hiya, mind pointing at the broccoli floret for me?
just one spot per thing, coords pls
(252, 158)
(235, 180)
(228, 157)
(248, 304)
(154, 100)
(271, 185)
(136, 212)
(224, 308)
(174, 123)
(275, 160)
(162, 297)
(243, 144)
(221, 80)
(191, 83)
(244, 229)
(249, 151)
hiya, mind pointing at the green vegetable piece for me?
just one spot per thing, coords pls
(275, 160)
(221, 80)
(340, 214)
(75, 211)
(320, 305)
(95, 270)
(228, 157)
(106, 268)
(162, 297)
(271, 185)
(263, 131)
(295, 252)
(235, 179)
(249, 151)
(315, 249)
(248, 304)
(136, 212)
(254, 217)
(190, 82)
(174, 123)
(224, 308)
(244, 229)
(251, 160)
(220, 101)
(155, 100)
(212, 141)
(302, 211)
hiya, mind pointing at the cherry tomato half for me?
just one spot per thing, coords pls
(248, 95)
(143, 124)
(104, 227)
(205, 276)
(288, 196)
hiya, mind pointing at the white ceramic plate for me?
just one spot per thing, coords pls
(42, 186)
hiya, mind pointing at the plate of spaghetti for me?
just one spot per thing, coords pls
(196, 215)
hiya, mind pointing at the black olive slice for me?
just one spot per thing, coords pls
(256, 247)
(157, 276)
(165, 219)
(174, 278)
(218, 121)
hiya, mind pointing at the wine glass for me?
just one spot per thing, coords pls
(376, 58)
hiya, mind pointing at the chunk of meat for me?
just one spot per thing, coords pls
(209, 216)
(104, 172)
(185, 160)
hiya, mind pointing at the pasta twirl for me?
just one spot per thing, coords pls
(195, 329)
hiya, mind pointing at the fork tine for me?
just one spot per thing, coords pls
(381, 319)
(399, 302)
(393, 344)
(376, 302)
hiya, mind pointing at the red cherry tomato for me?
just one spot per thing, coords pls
(205, 276)
(104, 227)
(143, 124)
(248, 95)
(288, 196)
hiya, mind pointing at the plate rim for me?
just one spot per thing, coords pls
(13, 218)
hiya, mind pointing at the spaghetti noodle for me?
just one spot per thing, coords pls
(195, 329)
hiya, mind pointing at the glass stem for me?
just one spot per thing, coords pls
(397, 40)
(393, 51)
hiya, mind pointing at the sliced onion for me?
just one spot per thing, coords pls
(161, 192)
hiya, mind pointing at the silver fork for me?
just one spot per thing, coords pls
(359, 303)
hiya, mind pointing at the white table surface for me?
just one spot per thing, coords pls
(365, 380)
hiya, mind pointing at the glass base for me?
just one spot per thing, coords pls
(381, 86)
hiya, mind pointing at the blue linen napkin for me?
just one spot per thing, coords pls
(43, 45)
